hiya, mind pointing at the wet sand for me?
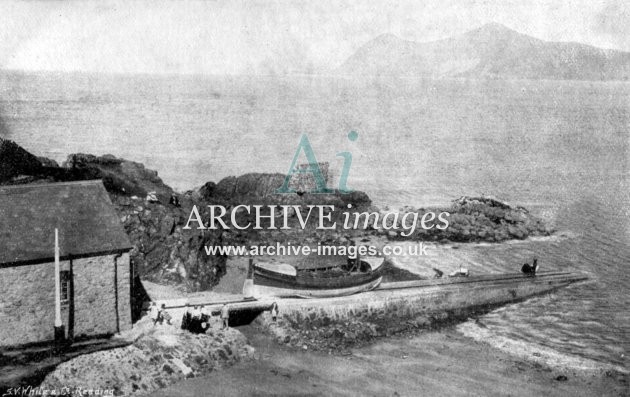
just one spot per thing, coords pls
(432, 363)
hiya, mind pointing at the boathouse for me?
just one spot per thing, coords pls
(95, 273)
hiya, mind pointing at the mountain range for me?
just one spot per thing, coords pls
(491, 51)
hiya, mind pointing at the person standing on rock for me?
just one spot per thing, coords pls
(174, 200)
(225, 316)
(154, 313)
(163, 315)
(186, 318)
(205, 319)
(274, 311)
(195, 320)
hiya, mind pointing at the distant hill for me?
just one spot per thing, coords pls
(491, 51)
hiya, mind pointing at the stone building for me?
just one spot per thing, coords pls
(95, 269)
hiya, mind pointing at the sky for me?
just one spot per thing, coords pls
(270, 37)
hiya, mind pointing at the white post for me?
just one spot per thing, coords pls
(57, 283)
(248, 286)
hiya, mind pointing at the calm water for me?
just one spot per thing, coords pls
(559, 148)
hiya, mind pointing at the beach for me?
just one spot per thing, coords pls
(440, 362)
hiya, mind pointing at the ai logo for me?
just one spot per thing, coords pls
(314, 169)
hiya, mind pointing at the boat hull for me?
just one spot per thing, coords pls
(261, 291)
(313, 284)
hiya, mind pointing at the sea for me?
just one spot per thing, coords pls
(558, 148)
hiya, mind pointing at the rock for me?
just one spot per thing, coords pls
(167, 225)
(164, 252)
(119, 175)
(152, 197)
(517, 231)
(260, 188)
(158, 358)
(15, 161)
(46, 162)
(186, 370)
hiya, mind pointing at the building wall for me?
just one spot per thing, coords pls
(124, 291)
(27, 304)
(27, 301)
(95, 295)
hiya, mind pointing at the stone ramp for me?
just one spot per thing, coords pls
(408, 298)
(432, 296)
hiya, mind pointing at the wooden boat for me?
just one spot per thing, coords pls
(318, 279)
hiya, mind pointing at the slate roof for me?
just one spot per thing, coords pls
(82, 211)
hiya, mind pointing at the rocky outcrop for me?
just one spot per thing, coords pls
(488, 219)
(260, 188)
(249, 186)
(119, 176)
(160, 357)
(48, 163)
(16, 162)
(474, 219)
(165, 253)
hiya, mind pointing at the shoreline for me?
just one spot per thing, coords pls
(442, 362)
(270, 356)
(537, 354)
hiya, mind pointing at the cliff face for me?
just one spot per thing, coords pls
(122, 177)
(165, 253)
(16, 162)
